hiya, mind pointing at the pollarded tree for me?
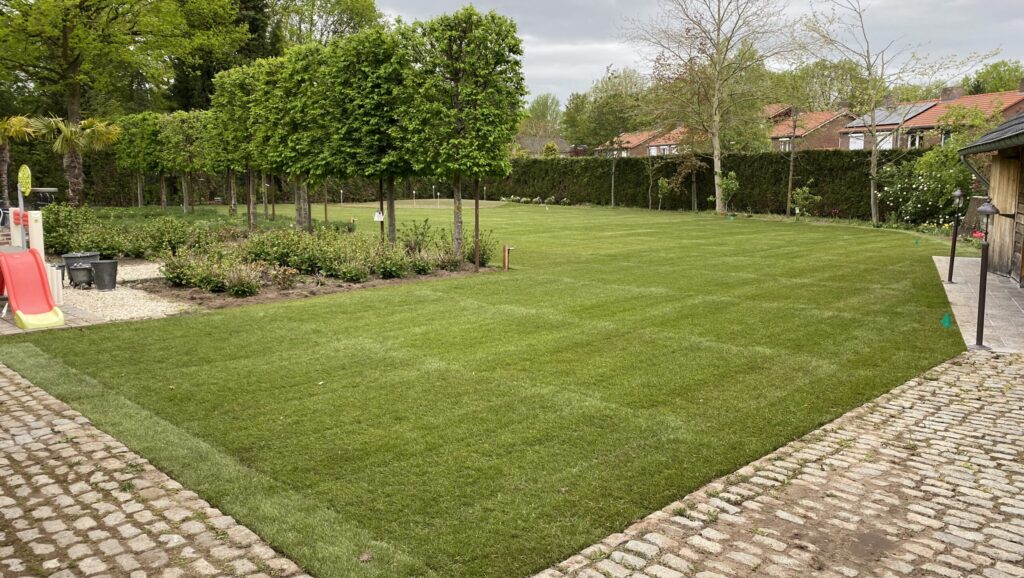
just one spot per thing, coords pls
(179, 133)
(12, 128)
(288, 121)
(232, 101)
(138, 149)
(369, 71)
(71, 140)
(467, 98)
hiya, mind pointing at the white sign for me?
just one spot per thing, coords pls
(378, 217)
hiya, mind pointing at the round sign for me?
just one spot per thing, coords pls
(25, 180)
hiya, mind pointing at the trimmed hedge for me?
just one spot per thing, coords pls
(839, 177)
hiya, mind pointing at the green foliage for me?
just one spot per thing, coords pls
(283, 277)
(417, 236)
(243, 279)
(69, 229)
(550, 151)
(390, 262)
(998, 76)
(611, 106)
(468, 92)
(804, 201)
(730, 186)
(488, 249)
(138, 148)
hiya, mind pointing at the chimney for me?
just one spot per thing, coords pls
(951, 93)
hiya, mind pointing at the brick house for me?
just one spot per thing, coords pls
(810, 130)
(913, 125)
(627, 144)
(666, 144)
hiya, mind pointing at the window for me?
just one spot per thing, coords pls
(653, 151)
(885, 141)
(785, 145)
(674, 149)
(856, 141)
(945, 136)
(664, 149)
(915, 140)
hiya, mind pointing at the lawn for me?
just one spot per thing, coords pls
(492, 425)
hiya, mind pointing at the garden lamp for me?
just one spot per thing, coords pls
(958, 201)
(986, 211)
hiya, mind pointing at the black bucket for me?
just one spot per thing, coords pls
(104, 275)
(72, 259)
(80, 275)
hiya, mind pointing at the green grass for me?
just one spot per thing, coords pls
(495, 424)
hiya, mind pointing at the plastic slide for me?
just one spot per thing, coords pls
(23, 276)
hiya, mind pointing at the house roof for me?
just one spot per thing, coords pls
(775, 109)
(806, 122)
(899, 114)
(672, 137)
(1007, 135)
(986, 103)
(628, 140)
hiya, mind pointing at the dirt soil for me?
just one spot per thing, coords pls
(306, 287)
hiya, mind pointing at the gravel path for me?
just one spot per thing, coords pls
(125, 303)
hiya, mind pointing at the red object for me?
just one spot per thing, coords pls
(23, 276)
(19, 217)
(976, 234)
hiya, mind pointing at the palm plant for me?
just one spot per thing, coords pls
(12, 129)
(71, 140)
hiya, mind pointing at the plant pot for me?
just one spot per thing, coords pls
(80, 275)
(104, 274)
(71, 259)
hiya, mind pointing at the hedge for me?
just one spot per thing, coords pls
(839, 177)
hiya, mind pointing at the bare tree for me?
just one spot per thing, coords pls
(712, 45)
(838, 30)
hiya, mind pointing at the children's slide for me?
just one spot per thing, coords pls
(23, 277)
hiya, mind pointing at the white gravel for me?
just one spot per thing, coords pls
(124, 303)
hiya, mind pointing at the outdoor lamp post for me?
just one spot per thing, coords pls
(958, 200)
(987, 211)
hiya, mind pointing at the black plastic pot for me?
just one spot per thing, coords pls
(104, 275)
(71, 259)
(80, 275)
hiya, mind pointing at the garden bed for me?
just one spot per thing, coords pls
(308, 287)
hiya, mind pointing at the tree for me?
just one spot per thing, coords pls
(819, 84)
(12, 128)
(842, 34)
(321, 20)
(179, 133)
(543, 117)
(997, 76)
(66, 49)
(468, 99)
(138, 149)
(70, 140)
(231, 107)
(550, 151)
(574, 122)
(612, 106)
(370, 71)
(713, 45)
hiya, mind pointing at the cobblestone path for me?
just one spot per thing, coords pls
(927, 480)
(76, 502)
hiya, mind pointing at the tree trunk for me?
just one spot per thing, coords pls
(457, 218)
(276, 186)
(5, 164)
(141, 181)
(392, 226)
(163, 191)
(476, 224)
(184, 193)
(73, 172)
(716, 145)
(693, 190)
(302, 214)
(789, 188)
(250, 187)
(263, 189)
(380, 203)
(874, 183)
(232, 192)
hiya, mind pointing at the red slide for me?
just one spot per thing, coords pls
(23, 277)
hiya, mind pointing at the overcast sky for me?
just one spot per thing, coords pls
(569, 43)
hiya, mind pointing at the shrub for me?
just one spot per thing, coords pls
(242, 279)
(550, 200)
(204, 271)
(283, 277)
(420, 263)
(448, 260)
(61, 225)
(417, 237)
(353, 273)
(177, 269)
(488, 249)
(390, 262)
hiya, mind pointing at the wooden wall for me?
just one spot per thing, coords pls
(1005, 190)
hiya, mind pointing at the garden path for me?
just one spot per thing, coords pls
(76, 502)
(1004, 304)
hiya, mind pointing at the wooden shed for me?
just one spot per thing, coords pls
(1006, 189)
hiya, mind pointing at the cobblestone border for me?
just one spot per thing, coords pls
(927, 480)
(76, 502)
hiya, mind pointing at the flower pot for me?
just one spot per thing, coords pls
(80, 275)
(70, 259)
(104, 274)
